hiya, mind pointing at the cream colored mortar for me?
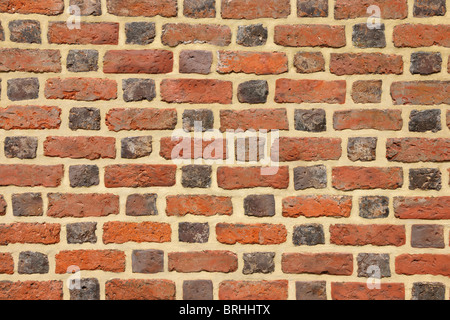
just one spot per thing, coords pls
(237, 195)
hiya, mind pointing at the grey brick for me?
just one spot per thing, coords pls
(21, 147)
(81, 232)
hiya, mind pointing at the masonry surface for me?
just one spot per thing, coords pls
(89, 180)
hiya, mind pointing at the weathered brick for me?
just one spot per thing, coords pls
(306, 149)
(429, 8)
(82, 232)
(198, 290)
(141, 33)
(30, 117)
(250, 149)
(418, 149)
(318, 263)
(199, 9)
(3, 206)
(421, 35)
(425, 63)
(365, 37)
(360, 291)
(136, 289)
(82, 60)
(138, 61)
(426, 120)
(253, 290)
(42, 233)
(136, 147)
(309, 62)
(310, 177)
(427, 236)
(428, 291)
(141, 119)
(138, 90)
(81, 89)
(23, 89)
(308, 234)
(204, 205)
(310, 35)
(196, 91)
(147, 261)
(252, 35)
(27, 204)
(91, 148)
(190, 148)
(259, 205)
(351, 9)
(362, 148)
(252, 9)
(425, 179)
(21, 147)
(207, 260)
(193, 232)
(196, 176)
(433, 264)
(6, 263)
(89, 290)
(141, 205)
(258, 262)
(365, 63)
(312, 9)
(310, 120)
(174, 34)
(367, 91)
(427, 208)
(27, 175)
(90, 260)
(25, 31)
(374, 207)
(84, 119)
(196, 61)
(253, 91)
(48, 7)
(361, 235)
(84, 176)
(317, 206)
(310, 91)
(98, 33)
(259, 63)
(2, 33)
(263, 234)
(30, 60)
(421, 92)
(312, 290)
(256, 119)
(62, 205)
(360, 119)
(122, 232)
(32, 263)
(367, 262)
(203, 117)
(31, 290)
(142, 8)
(231, 178)
(88, 8)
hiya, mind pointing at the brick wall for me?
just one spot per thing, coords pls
(356, 119)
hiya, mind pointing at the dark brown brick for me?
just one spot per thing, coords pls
(141, 33)
(259, 205)
(82, 60)
(310, 177)
(312, 8)
(136, 147)
(89, 290)
(141, 205)
(374, 207)
(364, 37)
(428, 291)
(258, 262)
(138, 90)
(23, 89)
(197, 290)
(25, 31)
(427, 236)
(425, 63)
(196, 61)
(203, 117)
(252, 35)
(21, 147)
(81, 232)
(313, 120)
(84, 176)
(308, 234)
(196, 176)
(368, 264)
(27, 205)
(309, 62)
(88, 8)
(84, 119)
(193, 232)
(199, 9)
(362, 148)
(367, 91)
(429, 8)
(33, 263)
(253, 91)
(147, 261)
(425, 120)
(311, 290)
(425, 179)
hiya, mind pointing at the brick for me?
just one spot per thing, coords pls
(142, 8)
(84, 176)
(310, 177)
(31, 290)
(88, 8)
(309, 62)
(147, 261)
(362, 148)
(253, 290)
(364, 37)
(62, 205)
(259, 63)
(32, 263)
(21, 147)
(310, 35)
(84, 119)
(253, 91)
(89, 290)
(361, 235)
(190, 148)
(433, 264)
(307, 149)
(426, 208)
(252, 9)
(259, 205)
(256, 119)
(196, 176)
(312, 290)
(196, 91)
(308, 234)
(312, 120)
(136, 289)
(365, 63)
(82, 60)
(428, 291)
(425, 179)
(141, 119)
(199, 9)
(25, 31)
(421, 92)
(138, 90)
(82, 232)
(258, 262)
(27, 204)
(198, 290)
(312, 9)
(421, 35)
(23, 89)
(369, 262)
(207, 260)
(137, 175)
(48, 7)
(310, 91)
(373, 207)
(250, 149)
(204, 117)
(91, 148)
(25, 175)
(21, 232)
(426, 120)
(141, 205)
(174, 34)
(427, 236)
(140, 33)
(317, 206)
(90, 260)
(366, 91)
(37, 61)
(375, 119)
(203, 205)
(81, 89)
(122, 232)
(317, 263)
(351, 9)
(231, 178)
(136, 147)
(98, 33)
(193, 232)
(360, 291)
(196, 61)
(3, 206)
(425, 63)
(252, 35)
(263, 234)
(6, 263)
(2, 33)
(138, 61)
(429, 8)
(418, 149)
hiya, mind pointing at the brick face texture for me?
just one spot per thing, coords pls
(225, 149)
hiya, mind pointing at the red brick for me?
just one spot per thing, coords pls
(310, 91)
(136, 289)
(254, 9)
(91, 148)
(139, 175)
(208, 148)
(360, 291)
(231, 178)
(122, 232)
(362, 235)
(138, 61)
(307, 149)
(90, 260)
(434, 264)
(365, 63)
(142, 8)
(351, 9)
(426, 208)
(259, 63)
(81, 89)
(141, 119)
(6, 263)
(421, 92)
(3, 206)
(253, 290)
(209, 261)
(202, 205)
(30, 60)
(26, 175)
(364, 178)
(82, 205)
(418, 149)
(31, 290)
(263, 234)
(41, 233)
(317, 206)
(46, 7)
(368, 119)
(88, 33)
(196, 91)
(318, 263)
(310, 35)
(30, 117)
(174, 34)
(421, 35)
(256, 119)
